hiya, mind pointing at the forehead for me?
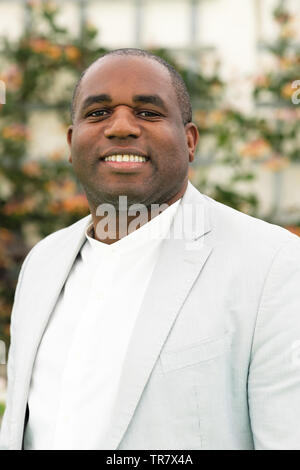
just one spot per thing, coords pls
(122, 77)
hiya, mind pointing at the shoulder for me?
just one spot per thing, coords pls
(241, 230)
(240, 241)
(55, 241)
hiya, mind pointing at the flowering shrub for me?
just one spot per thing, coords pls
(273, 91)
(38, 197)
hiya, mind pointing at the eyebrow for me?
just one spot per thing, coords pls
(95, 99)
(152, 99)
(105, 98)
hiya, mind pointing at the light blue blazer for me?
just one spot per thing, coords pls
(214, 359)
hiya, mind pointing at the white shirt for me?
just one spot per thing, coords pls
(79, 362)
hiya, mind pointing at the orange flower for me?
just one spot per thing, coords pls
(43, 46)
(39, 45)
(69, 187)
(53, 51)
(72, 53)
(287, 91)
(74, 204)
(257, 148)
(31, 169)
(20, 207)
(61, 190)
(285, 62)
(216, 117)
(57, 155)
(16, 131)
(77, 203)
(276, 163)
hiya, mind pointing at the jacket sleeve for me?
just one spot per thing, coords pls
(6, 421)
(274, 373)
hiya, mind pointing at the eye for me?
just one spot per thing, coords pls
(148, 114)
(94, 113)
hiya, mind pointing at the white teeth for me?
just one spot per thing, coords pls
(125, 158)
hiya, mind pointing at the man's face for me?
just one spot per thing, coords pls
(136, 113)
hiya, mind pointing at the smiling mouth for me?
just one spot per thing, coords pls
(126, 158)
(125, 163)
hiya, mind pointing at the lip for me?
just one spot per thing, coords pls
(125, 167)
(123, 151)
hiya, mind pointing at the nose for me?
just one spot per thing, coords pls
(122, 124)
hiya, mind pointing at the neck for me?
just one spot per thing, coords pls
(113, 225)
(111, 228)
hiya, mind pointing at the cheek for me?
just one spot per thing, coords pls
(82, 152)
(173, 139)
(173, 150)
(82, 139)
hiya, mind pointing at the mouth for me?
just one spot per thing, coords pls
(124, 154)
(125, 161)
(120, 158)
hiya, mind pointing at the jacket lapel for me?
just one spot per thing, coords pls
(180, 263)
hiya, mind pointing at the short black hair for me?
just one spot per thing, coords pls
(180, 88)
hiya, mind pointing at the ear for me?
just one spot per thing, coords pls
(192, 137)
(69, 139)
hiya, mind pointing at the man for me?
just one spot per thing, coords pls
(137, 337)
